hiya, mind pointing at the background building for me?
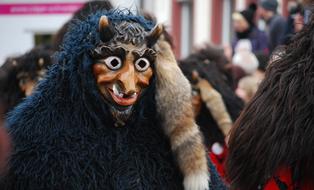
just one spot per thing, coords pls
(25, 23)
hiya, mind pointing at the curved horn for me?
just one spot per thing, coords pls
(105, 29)
(154, 34)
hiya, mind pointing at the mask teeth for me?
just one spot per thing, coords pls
(116, 91)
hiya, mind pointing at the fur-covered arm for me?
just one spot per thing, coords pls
(173, 97)
(216, 106)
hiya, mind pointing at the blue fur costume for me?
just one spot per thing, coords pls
(64, 137)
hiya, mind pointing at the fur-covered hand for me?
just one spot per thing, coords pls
(206, 90)
(216, 105)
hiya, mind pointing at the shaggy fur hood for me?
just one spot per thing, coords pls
(63, 134)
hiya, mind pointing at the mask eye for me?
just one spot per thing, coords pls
(142, 64)
(113, 62)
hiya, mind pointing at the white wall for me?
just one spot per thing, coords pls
(41, 1)
(202, 21)
(226, 22)
(133, 5)
(161, 9)
(17, 32)
(240, 5)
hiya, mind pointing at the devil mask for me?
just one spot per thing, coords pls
(123, 64)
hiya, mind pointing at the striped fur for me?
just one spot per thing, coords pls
(173, 99)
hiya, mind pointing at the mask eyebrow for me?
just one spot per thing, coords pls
(105, 51)
(148, 53)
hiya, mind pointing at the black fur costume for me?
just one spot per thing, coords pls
(17, 69)
(209, 62)
(64, 136)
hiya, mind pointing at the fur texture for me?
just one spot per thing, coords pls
(81, 14)
(64, 137)
(174, 96)
(16, 69)
(11, 94)
(276, 128)
(216, 106)
(209, 63)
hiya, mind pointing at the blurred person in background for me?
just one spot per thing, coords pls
(235, 73)
(295, 22)
(215, 104)
(244, 57)
(248, 85)
(271, 146)
(217, 56)
(20, 75)
(262, 65)
(275, 23)
(298, 20)
(308, 9)
(245, 28)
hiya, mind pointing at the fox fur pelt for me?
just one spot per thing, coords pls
(179, 124)
(64, 136)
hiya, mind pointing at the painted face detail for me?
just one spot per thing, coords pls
(123, 64)
(122, 74)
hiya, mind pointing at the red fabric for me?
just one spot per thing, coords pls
(284, 174)
(219, 160)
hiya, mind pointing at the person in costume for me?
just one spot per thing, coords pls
(271, 146)
(19, 76)
(110, 115)
(215, 104)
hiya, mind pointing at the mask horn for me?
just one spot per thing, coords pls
(105, 29)
(154, 35)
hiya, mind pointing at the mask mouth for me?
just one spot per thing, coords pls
(122, 99)
(120, 104)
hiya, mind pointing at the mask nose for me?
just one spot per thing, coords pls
(128, 81)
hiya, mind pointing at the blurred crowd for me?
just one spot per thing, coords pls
(223, 80)
(252, 47)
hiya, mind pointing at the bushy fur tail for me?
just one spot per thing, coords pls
(173, 97)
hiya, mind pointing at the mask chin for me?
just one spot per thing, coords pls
(120, 115)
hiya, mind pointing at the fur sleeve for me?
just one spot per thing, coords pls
(173, 98)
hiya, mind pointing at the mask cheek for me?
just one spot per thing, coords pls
(104, 76)
(104, 80)
(143, 79)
